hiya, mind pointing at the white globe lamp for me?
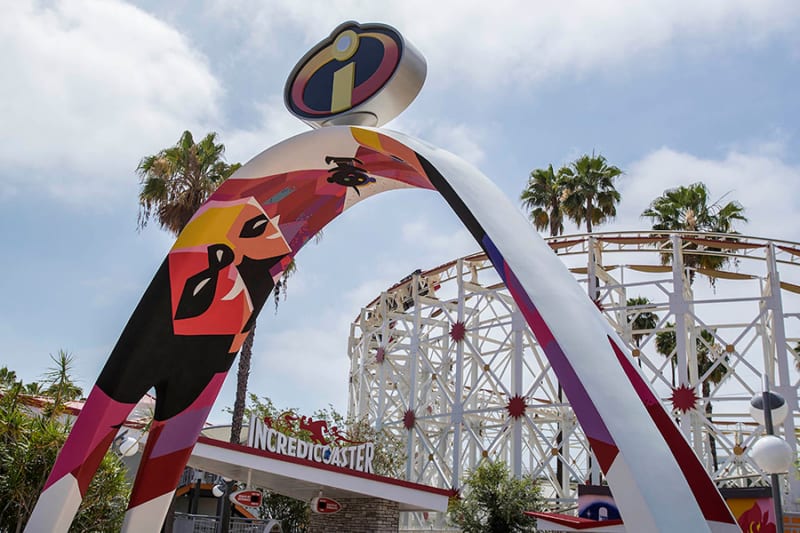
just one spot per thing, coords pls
(128, 447)
(777, 406)
(772, 454)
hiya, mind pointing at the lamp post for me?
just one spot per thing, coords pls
(772, 454)
(222, 489)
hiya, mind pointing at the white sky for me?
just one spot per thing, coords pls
(673, 92)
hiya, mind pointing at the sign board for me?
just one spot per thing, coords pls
(362, 74)
(248, 498)
(324, 447)
(323, 505)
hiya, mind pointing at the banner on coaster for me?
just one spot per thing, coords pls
(321, 449)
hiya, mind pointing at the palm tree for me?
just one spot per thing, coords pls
(8, 378)
(175, 183)
(177, 180)
(687, 208)
(796, 350)
(60, 385)
(590, 196)
(666, 345)
(34, 388)
(640, 320)
(542, 198)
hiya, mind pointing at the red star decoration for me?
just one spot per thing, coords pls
(458, 331)
(380, 354)
(516, 406)
(408, 420)
(683, 398)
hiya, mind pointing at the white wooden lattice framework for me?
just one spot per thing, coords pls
(455, 397)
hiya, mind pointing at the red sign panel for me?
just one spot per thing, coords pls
(249, 498)
(325, 505)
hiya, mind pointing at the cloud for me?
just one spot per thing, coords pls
(305, 364)
(760, 180)
(508, 43)
(98, 84)
(90, 87)
(274, 124)
(309, 358)
(435, 245)
(459, 138)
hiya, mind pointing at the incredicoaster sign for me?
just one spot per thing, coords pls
(357, 457)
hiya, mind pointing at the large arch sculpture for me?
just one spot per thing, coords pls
(191, 321)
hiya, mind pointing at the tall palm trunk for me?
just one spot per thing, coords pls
(588, 216)
(712, 442)
(554, 222)
(242, 376)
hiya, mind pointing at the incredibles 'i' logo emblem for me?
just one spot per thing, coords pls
(346, 71)
(344, 48)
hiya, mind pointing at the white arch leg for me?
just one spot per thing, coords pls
(148, 516)
(56, 507)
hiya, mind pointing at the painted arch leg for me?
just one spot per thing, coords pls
(90, 438)
(168, 448)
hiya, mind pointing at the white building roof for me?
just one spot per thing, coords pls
(303, 479)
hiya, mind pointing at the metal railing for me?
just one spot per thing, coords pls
(192, 523)
(190, 475)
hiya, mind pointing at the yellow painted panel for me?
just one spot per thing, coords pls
(343, 81)
(367, 138)
(209, 227)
